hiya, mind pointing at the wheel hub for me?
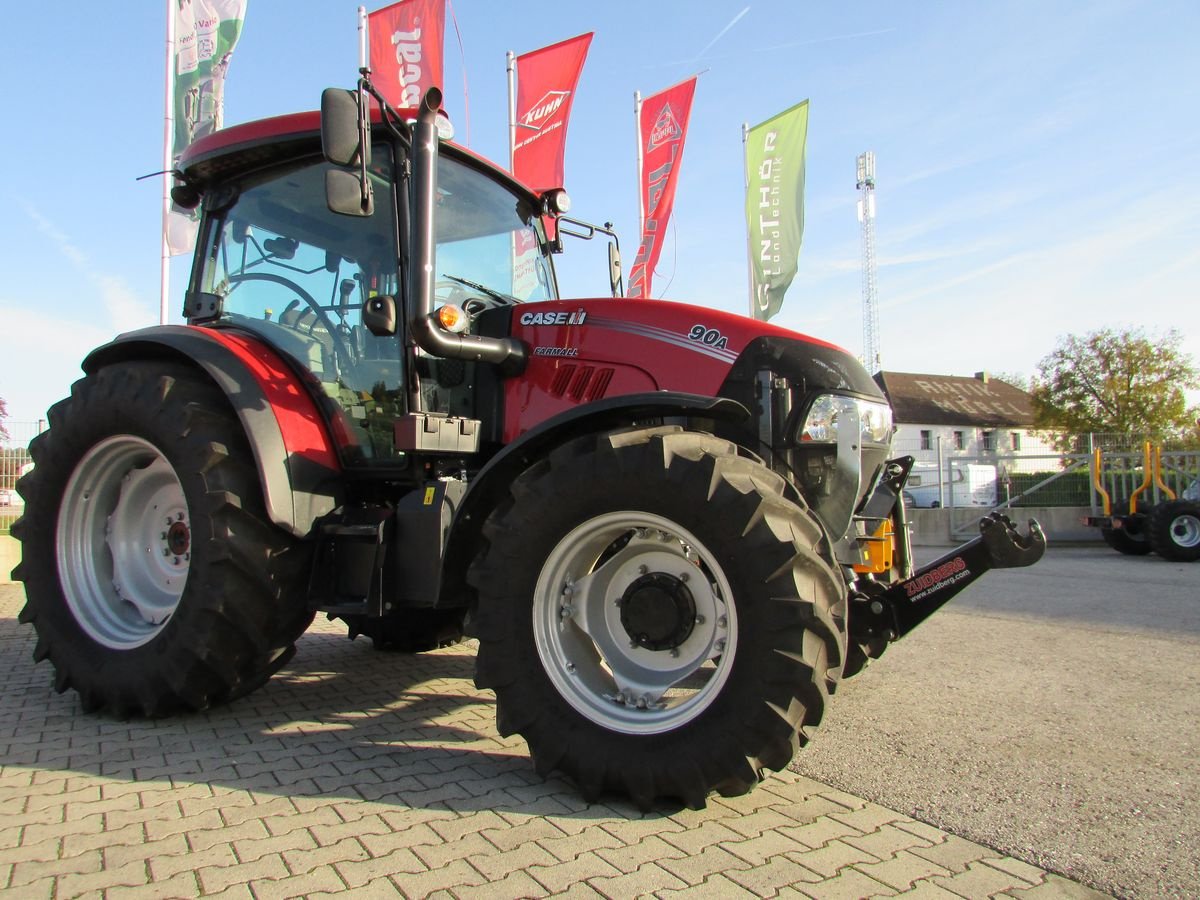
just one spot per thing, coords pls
(658, 612)
(179, 538)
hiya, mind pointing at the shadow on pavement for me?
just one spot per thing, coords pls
(341, 720)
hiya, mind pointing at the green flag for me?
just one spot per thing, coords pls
(206, 32)
(775, 206)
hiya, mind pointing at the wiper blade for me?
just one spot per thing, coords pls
(491, 292)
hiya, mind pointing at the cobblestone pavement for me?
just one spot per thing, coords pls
(380, 775)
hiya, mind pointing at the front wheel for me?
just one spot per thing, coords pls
(1173, 529)
(655, 618)
(152, 576)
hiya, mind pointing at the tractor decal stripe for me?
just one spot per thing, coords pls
(663, 335)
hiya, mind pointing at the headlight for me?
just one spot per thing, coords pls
(828, 410)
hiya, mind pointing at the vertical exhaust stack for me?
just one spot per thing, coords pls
(509, 353)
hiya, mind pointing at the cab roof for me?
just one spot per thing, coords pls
(252, 145)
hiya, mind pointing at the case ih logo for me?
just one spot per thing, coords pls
(665, 129)
(545, 109)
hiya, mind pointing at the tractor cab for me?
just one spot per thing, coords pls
(326, 290)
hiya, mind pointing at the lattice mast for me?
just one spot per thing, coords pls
(866, 217)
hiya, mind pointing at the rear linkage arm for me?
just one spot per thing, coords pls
(891, 614)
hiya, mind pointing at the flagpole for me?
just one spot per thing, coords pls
(164, 288)
(637, 130)
(511, 66)
(745, 192)
(364, 59)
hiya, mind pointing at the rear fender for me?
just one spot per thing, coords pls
(490, 485)
(296, 459)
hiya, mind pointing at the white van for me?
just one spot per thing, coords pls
(972, 484)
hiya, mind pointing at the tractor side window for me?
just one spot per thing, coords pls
(297, 276)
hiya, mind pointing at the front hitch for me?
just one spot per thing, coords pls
(892, 613)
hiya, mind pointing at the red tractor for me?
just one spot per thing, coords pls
(672, 530)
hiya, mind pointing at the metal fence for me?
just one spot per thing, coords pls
(1053, 470)
(14, 462)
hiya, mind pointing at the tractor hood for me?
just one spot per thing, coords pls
(653, 346)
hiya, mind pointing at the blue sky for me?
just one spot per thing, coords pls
(1038, 162)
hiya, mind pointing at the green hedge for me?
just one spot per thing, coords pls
(1072, 489)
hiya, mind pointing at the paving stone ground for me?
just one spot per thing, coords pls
(377, 775)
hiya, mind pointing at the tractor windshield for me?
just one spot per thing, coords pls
(489, 243)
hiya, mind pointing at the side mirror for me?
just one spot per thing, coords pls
(379, 315)
(347, 195)
(346, 143)
(341, 136)
(614, 270)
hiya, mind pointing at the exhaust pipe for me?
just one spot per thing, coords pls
(509, 354)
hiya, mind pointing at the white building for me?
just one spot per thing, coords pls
(979, 417)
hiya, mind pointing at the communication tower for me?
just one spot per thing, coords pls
(866, 218)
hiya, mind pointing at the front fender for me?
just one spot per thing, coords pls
(296, 459)
(491, 484)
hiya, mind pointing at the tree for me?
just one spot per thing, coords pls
(3, 416)
(1117, 381)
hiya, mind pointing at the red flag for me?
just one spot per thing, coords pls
(663, 129)
(546, 81)
(406, 49)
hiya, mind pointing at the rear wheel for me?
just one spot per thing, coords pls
(655, 618)
(1124, 540)
(1173, 529)
(152, 576)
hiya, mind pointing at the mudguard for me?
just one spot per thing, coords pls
(492, 481)
(296, 458)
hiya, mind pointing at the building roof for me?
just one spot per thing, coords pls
(980, 401)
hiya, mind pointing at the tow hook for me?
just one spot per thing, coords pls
(892, 613)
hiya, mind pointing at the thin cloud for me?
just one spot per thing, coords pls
(722, 33)
(789, 45)
(126, 311)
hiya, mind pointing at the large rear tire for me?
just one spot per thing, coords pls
(1125, 541)
(152, 576)
(1173, 529)
(655, 618)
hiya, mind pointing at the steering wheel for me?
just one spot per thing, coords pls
(340, 351)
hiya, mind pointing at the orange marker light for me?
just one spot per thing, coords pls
(452, 318)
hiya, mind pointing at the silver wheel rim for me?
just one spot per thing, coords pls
(589, 653)
(1185, 531)
(123, 542)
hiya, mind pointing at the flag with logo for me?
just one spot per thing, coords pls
(662, 130)
(407, 40)
(206, 31)
(546, 82)
(775, 206)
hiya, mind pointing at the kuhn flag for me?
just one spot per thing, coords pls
(662, 129)
(546, 82)
(775, 206)
(205, 33)
(406, 49)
